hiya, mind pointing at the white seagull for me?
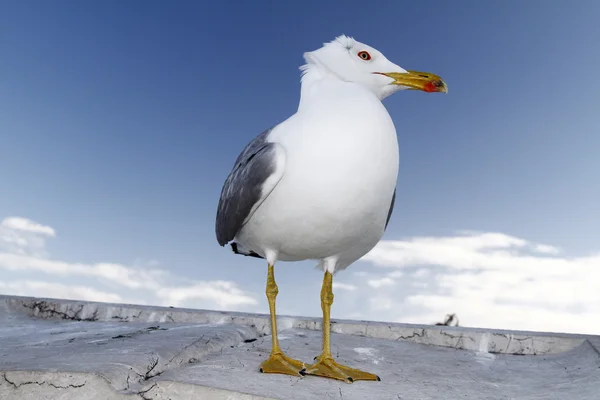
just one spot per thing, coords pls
(321, 185)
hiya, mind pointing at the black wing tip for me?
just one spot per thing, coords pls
(250, 253)
(221, 232)
(222, 242)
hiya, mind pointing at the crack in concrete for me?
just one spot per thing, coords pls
(129, 318)
(523, 339)
(127, 381)
(140, 377)
(187, 347)
(139, 332)
(596, 350)
(142, 393)
(508, 344)
(47, 308)
(460, 344)
(151, 367)
(521, 351)
(6, 379)
(522, 347)
(16, 386)
(415, 334)
(460, 337)
(67, 387)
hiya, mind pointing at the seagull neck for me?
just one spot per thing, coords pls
(312, 81)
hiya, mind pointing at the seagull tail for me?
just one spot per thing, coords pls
(239, 249)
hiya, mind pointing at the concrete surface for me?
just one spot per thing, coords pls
(60, 349)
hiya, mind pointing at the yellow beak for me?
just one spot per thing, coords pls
(415, 80)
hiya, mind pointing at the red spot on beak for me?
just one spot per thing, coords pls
(430, 87)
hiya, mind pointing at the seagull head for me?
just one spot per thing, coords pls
(352, 61)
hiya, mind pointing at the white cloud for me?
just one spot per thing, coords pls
(26, 225)
(22, 250)
(545, 249)
(420, 273)
(225, 294)
(54, 290)
(134, 278)
(377, 283)
(22, 236)
(396, 274)
(493, 280)
(378, 303)
(343, 286)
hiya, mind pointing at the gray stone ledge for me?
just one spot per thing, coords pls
(62, 349)
(491, 341)
(35, 385)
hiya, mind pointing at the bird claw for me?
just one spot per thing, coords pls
(328, 368)
(279, 363)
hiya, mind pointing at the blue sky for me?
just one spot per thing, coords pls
(119, 122)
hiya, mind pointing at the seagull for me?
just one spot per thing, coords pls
(321, 185)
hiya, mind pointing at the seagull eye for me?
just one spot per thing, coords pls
(364, 55)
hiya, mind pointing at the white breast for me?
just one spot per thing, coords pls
(340, 173)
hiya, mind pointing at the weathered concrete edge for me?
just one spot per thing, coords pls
(31, 385)
(26, 385)
(475, 339)
(173, 390)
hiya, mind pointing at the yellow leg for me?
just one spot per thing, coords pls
(325, 365)
(277, 363)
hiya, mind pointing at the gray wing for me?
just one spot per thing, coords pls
(391, 209)
(246, 187)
